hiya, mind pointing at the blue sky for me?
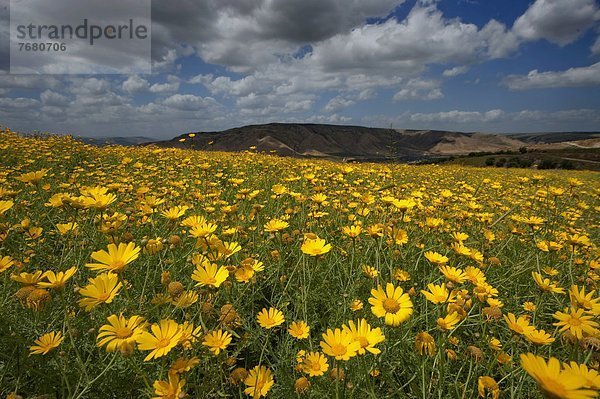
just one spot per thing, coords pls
(467, 65)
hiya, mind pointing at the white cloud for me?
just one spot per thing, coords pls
(558, 21)
(501, 42)
(401, 47)
(420, 89)
(337, 103)
(348, 99)
(18, 104)
(333, 118)
(457, 70)
(37, 82)
(245, 35)
(454, 116)
(572, 77)
(189, 102)
(53, 99)
(459, 117)
(89, 86)
(564, 117)
(171, 86)
(134, 84)
(364, 59)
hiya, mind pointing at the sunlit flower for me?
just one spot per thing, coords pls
(259, 381)
(299, 329)
(438, 294)
(101, 289)
(574, 321)
(392, 304)
(170, 389)
(46, 343)
(339, 344)
(436, 258)
(520, 325)
(162, 338)
(315, 364)
(449, 322)
(5, 263)
(314, 247)
(56, 280)
(5, 206)
(116, 259)
(216, 341)
(580, 299)
(32, 177)
(174, 213)
(275, 225)
(546, 285)
(365, 335)
(120, 332)
(538, 337)
(207, 273)
(591, 376)
(453, 274)
(554, 382)
(270, 318)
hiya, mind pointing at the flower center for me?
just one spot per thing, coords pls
(163, 342)
(117, 265)
(573, 321)
(104, 296)
(364, 342)
(315, 366)
(338, 349)
(391, 305)
(123, 333)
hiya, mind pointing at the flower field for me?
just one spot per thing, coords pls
(164, 273)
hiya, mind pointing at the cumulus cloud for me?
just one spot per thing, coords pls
(337, 103)
(401, 47)
(420, 89)
(333, 118)
(389, 54)
(244, 35)
(134, 84)
(18, 104)
(457, 70)
(348, 99)
(189, 102)
(36, 82)
(170, 86)
(572, 77)
(459, 117)
(558, 21)
(51, 98)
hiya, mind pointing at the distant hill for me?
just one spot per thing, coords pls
(361, 143)
(125, 141)
(554, 137)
